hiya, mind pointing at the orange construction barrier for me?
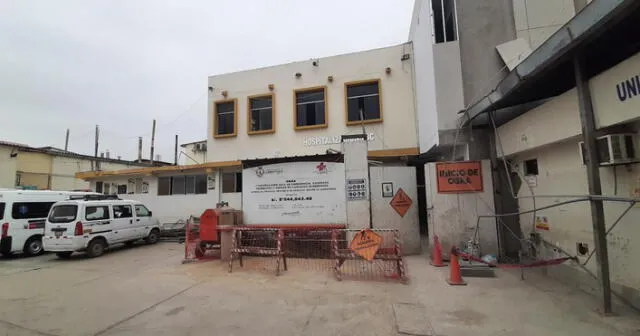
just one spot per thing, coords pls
(455, 278)
(436, 253)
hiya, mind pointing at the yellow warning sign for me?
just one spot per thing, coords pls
(542, 223)
(365, 244)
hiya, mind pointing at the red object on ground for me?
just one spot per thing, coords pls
(455, 278)
(209, 226)
(436, 253)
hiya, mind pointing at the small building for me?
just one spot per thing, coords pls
(193, 153)
(50, 168)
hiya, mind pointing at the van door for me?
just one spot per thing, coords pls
(144, 220)
(99, 220)
(124, 229)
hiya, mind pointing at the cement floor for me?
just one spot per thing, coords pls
(146, 290)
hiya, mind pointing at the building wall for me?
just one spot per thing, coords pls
(8, 167)
(34, 169)
(561, 172)
(64, 169)
(449, 88)
(482, 25)
(453, 217)
(536, 20)
(425, 79)
(550, 134)
(396, 91)
(384, 216)
(192, 156)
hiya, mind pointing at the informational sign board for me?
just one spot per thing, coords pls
(542, 223)
(294, 193)
(459, 177)
(357, 190)
(365, 244)
(401, 202)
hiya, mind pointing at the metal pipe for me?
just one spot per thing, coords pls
(534, 210)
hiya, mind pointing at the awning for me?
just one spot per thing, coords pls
(156, 170)
(606, 32)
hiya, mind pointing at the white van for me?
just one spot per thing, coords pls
(94, 225)
(22, 217)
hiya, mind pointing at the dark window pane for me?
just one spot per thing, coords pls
(310, 114)
(531, 167)
(27, 210)
(63, 214)
(228, 182)
(2, 205)
(630, 146)
(261, 120)
(225, 115)
(310, 96)
(260, 102)
(362, 90)
(122, 211)
(201, 184)
(122, 189)
(177, 187)
(603, 150)
(238, 182)
(164, 186)
(99, 187)
(190, 185)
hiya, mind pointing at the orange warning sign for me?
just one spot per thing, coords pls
(401, 202)
(365, 244)
(459, 177)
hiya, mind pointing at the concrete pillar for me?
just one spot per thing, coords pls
(356, 168)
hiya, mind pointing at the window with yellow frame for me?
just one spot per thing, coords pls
(310, 106)
(363, 102)
(261, 114)
(225, 118)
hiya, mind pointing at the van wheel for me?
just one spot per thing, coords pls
(33, 246)
(153, 236)
(96, 248)
(64, 255)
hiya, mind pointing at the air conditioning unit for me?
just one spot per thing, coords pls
(203, 147)
(614, 149)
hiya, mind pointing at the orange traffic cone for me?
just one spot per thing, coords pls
(455, 278)
(436, 253)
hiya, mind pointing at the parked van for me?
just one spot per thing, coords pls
(92, 226)
(22, 217)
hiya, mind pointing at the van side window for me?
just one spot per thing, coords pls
(142, 211)
(28, 210)
(122, 211)
(2, 210)
(97, 213)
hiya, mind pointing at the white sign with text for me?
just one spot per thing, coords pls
(294, 193)
(330, 140)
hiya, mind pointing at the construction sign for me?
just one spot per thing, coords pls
(365, 244)
(401, 202)
(542, 223)
(458, 177)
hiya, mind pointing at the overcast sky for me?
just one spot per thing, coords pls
(120, 64)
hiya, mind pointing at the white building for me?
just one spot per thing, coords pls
(193, 153)
(282, 125)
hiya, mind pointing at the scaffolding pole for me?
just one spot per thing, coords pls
(593, 177)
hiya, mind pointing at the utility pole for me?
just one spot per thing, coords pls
(94, 166)
(593, 178)
(66, 142)
(175, 152)
(153, 139)
(140, 149)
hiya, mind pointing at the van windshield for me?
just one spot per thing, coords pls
(1, 210)
(63, 213)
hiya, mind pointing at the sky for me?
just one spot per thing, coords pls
(119, 64)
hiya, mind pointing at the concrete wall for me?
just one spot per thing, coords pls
(194, 156)
(449, 88)
(173, 208)
(8, 167)
(425, 78)
(550, 134)
(34, 169)
(536, 20)
(482, 25)
(384, 216)
(396, 91)
(452, 217)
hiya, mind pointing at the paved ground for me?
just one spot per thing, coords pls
(147, 291)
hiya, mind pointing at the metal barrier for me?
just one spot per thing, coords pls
(317, 249)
